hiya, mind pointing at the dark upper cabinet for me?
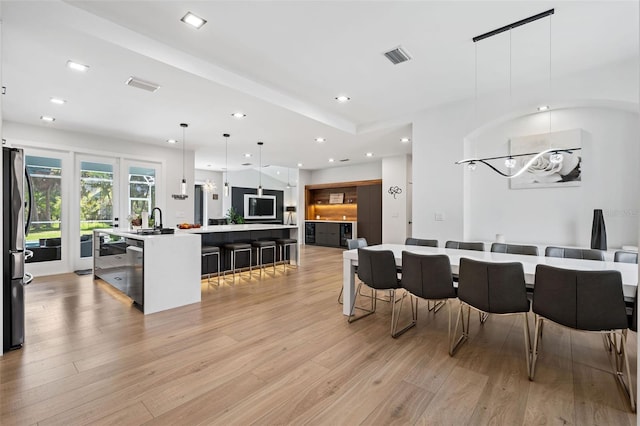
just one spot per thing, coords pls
(370, 213)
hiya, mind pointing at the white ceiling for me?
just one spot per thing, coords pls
(282, 63)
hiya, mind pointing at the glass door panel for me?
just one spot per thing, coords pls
(44, 237)
(96, 202)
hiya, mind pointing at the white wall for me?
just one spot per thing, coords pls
(437, 181)
(561, 216)
(443, 188)
(363, 171)
(214, 207)
(395, 172)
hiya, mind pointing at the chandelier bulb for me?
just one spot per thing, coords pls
(226, 189)
(472, 166)
(510, 163)
(555, 158)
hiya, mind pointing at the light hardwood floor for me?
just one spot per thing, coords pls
(279, 351)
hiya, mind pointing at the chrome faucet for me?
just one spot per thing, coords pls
(156, 224)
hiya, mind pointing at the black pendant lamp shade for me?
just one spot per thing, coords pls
(598, 231)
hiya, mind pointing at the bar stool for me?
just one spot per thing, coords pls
(260, 246)
(234, 249)
(282, 244)
(205, 253)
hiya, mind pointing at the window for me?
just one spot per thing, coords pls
(142, 190)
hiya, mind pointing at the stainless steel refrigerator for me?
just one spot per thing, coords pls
(13, 242)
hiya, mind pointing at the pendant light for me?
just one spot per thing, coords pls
(260, 170)
(183, 183)
(226, 164)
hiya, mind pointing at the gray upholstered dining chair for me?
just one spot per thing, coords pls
(377, 270)
(574, 253)
(495, 288)
(625, 256)
(464, 245)
(352, 243)
(514, 249)
(425, 276)
(591, 301)
(420, 242)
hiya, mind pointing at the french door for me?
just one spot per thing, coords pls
(97, 193)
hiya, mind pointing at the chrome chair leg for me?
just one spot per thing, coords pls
(414, 315)
(527, 342)
(455, 345)
(352, 317)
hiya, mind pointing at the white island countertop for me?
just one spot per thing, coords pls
(131, 233)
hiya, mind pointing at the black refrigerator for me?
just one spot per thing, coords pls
(13, 242)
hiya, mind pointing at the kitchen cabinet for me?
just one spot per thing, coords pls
(370, 213)
(329, 233)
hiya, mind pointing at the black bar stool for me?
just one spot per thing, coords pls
(282, 244)
(260, 246)
(205, 253)
(234, 249)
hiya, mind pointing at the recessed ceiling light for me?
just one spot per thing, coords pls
(369, 154)
(172, 141)
(77, 67)
(404, 140)
(320, 139)
(543, 108)
(278, 172)
(299, 164)
(47, 119)
(238, 115)
(331, 160)
(193, 20)
(247, 155)
(342, 98)
(57, 101)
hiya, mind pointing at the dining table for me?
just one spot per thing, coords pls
(629, 272)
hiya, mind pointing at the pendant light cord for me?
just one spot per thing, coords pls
(550, 103)
(226, 158)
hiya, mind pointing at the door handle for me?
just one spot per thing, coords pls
(27, 278)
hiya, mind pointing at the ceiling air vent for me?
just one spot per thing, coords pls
(344, 159)
(141, 84)
(246, 164)
(397, 55)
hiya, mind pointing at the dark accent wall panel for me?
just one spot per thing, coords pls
(237, 202)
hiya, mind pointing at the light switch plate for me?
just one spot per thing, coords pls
(439, 217)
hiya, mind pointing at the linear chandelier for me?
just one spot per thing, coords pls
(510, 162)
(548, 158)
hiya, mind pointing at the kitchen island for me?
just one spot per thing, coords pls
(158, 272)
(218, 235)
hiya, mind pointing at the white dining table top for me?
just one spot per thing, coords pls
(628, 271)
